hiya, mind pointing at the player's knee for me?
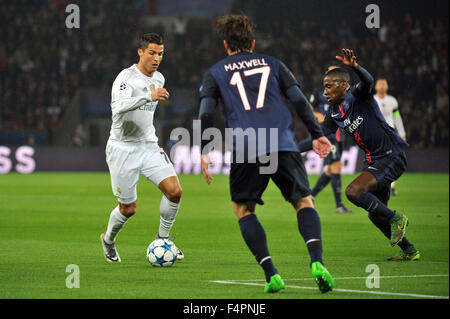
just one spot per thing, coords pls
(174, 193)
(243, 209)
(352, 192)
(127, 210)
(305, 202)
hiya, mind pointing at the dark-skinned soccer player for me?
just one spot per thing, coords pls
(354, 110)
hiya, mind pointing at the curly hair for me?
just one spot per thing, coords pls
(237, 30)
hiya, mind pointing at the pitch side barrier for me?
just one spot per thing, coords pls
(186, 159)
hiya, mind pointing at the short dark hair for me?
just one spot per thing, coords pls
(382, 78)
(339, 73)
(237, 30)
(150, 38)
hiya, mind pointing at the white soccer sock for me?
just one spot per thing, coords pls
(115, 224)
(168, 211)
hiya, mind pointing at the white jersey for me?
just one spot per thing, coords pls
(389, 107)
(132, 106)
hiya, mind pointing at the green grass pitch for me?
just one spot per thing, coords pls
(51, 220)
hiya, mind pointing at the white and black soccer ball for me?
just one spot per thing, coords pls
(162, 253)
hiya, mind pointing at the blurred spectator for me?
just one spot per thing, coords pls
(39, 78)
(179, 25)
(79, 136)
(31, 140)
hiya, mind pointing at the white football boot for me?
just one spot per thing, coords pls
(109, 250)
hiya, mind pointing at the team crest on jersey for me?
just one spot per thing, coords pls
(119, 190)
(123, 86)
(152, 87)
(347, 122)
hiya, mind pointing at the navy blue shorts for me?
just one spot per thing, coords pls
(248, 185)
(388, 169)
(335, 154)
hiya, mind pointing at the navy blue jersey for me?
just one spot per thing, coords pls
(321, 104)
(252, 87)
(359, 116)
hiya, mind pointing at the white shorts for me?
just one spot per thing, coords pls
(126, 161)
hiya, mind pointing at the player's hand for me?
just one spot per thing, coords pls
(349, 58)
(206, 160)
(321, 146)
(160, 94)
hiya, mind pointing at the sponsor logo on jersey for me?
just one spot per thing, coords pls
(151, 106)
(352, 127)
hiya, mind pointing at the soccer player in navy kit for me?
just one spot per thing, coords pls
(354, 110)
(252, 87)
(333, 160)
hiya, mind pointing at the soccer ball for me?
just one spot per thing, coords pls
(162, 253)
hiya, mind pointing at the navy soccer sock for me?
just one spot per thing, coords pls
(310, 229)
(321, 183)
(255, 238)
(337, 188)
(404, 244)
(373, 205)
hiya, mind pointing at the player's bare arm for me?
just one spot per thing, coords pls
(206, 160)
(206, 116)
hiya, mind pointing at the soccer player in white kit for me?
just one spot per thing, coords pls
(389, 107)
(132, 149)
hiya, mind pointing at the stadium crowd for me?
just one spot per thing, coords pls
(43, 63)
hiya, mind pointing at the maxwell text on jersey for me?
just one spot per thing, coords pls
(246, 64)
